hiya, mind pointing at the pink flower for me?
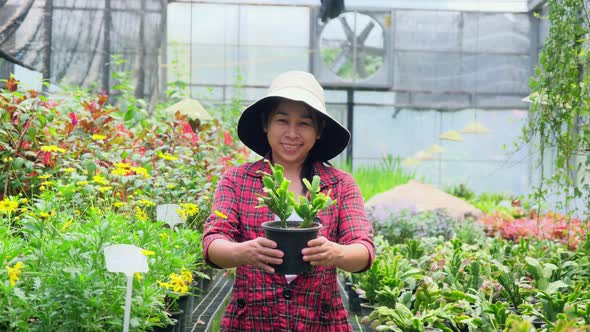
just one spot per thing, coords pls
(73, 117)
(227, 138)
(51, 104)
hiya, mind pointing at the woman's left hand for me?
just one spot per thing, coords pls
(322, 252)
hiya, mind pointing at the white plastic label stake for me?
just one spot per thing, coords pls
(128, 259)
(168, 213)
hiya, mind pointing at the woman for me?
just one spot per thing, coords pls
(289, 126)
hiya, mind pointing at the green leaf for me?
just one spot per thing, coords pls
(553, 287)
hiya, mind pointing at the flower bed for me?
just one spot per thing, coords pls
(79, 174)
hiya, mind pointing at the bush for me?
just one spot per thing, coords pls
(406, 224)
(78, 175)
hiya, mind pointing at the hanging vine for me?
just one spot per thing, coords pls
(559, 118)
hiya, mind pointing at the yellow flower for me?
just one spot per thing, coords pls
(105, 189)
(146, 202)
(165, 284)
(45, 176)
(220, 215)
(163, 235)
(23, 200)
(141, 171)
(8, 206)
(170, 186)
(14, 272)
(82, 183)
(182, 213)
(140, 214)
(187, 276)
(42, 188)
(122, 165)
(44, 214)
(68, 169)
(98, 137)
(190, 209)
(148, 252)
(179, 285)
(166, 156)
(66, 225)
(119, 204)
(138, 276)
(100, 179)
(52, 148)
(121, 171)
(47, 183)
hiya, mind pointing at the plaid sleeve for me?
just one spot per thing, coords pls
(354, 226)
(223, 222)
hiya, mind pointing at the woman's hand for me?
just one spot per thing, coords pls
(260, 252)
(322, 252)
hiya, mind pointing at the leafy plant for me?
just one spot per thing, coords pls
(559, 118)
(309, 209)
(278, 197)
(282, 202)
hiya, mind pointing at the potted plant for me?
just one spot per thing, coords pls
(291, 236)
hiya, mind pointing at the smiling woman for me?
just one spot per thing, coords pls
(290, 127)
(292, 132)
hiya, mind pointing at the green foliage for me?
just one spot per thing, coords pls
(78, 174)
(278, 198)
(65, 285)
(378, 178)
(282, 202)
(560, 113)
(399, 227)
(308, 209)
(494, 285)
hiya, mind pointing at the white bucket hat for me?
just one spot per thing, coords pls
(298, 86)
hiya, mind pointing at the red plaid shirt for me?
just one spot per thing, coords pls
(263, 301)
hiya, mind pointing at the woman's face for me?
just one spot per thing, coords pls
(291, 133)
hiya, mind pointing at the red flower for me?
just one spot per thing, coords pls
(188, 131)
(142, 150)
(227, 138)
(45, 157)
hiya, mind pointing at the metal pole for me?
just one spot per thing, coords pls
(139, 91)
(349, 122)
(106, 67)
(48, 37)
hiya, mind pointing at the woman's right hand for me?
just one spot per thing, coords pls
(260, 252)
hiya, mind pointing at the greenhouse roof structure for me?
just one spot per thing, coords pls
(512, 6)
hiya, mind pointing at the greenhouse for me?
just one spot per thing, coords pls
(437, 151)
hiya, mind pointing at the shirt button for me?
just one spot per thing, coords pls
(241, 303)
(287, 293)
(325, 307)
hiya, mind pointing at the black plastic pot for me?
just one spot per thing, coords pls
(185, 303)
(291, 241)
